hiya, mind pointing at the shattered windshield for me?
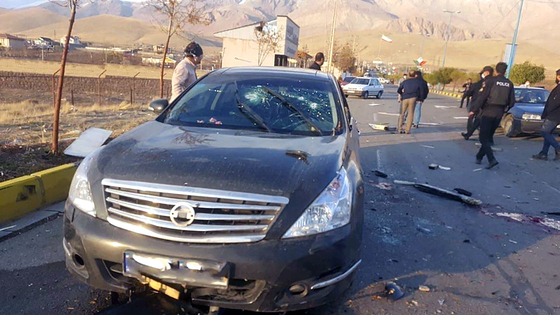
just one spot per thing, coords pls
(270, 104)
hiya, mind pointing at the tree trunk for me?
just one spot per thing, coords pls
(61, 81)
(164, 57)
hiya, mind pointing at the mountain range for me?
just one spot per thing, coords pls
(127, 22)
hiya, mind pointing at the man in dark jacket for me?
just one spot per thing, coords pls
(410, 91)
(551, 116)
(474, 91)
(319, 61)
(424, 90)
(466, 88)
(496, 98)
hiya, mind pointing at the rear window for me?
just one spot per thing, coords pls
(272, 104)
(348, 79)
(360, 81)
(531, 96)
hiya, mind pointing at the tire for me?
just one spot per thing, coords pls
(510, 130)
(366, 95)
(378, 96)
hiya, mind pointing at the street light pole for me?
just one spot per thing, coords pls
(514, 41)
(447, 34)
(331, 49)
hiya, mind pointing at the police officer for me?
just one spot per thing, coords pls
(496, 98)
(474, 91)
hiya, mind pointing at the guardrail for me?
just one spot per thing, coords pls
(22, 195)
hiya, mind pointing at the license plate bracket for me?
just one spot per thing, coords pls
(183, 271)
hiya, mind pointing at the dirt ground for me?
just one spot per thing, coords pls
(26, 131)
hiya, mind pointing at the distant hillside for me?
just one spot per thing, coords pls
(22, 20)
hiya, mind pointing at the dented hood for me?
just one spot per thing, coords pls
(236, 160)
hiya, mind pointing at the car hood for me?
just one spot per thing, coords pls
(530, 108)
(245, 161)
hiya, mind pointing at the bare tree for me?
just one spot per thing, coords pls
(268, 39)
(72, 5)
(176, 15)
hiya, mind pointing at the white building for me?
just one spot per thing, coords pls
(273, 43)
(74, 40)
(11, 42)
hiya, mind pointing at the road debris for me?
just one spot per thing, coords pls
(389, 114)
(434, 166)
(441, 302)
(382, 127)
(394, 292)
(89, 141)
(525, 218)
(463, 192)
(379, 174)
(551, 213)
(512, 241)
(412, 303)
(447, 194)
(384, 186)
(477, 170)
(427, 146)
(424, 288)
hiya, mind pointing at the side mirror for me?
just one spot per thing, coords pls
(157, 106)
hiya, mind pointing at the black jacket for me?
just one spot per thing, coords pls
(410, 88)
(466, 88)
(497, 96)
(315, 66)
(552, 108)
(424, 90)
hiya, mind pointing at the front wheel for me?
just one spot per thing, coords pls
(379, 94)
(366, 94)
(509, 127)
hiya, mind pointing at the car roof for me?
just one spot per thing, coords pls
(299, 73)
(521, 87)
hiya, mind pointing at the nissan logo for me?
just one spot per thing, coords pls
(182, 214)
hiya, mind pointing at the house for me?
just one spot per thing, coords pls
(44, 42)
(74, 41)
(11, 42)
(273, 43)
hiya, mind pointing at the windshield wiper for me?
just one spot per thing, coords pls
(250, 113)
(291, 107)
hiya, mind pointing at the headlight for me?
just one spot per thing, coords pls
(329, 211)
(531, 117)
(80, 191)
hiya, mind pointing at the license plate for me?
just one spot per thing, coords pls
(182, 271)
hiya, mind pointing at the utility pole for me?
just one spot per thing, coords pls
(447, 33)
(333, 29)
(514, 41)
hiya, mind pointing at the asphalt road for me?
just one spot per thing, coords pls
(501, 258)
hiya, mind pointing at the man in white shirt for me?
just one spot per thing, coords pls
(185, 72)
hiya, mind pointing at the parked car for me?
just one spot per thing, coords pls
(525, 116)
(364, 87)
(347, 80)
(384, 80)
(245, 192)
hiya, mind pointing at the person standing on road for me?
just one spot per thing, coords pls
(401, 80)
(424, 90)
(474, 121)
(496, 98)
(551, 116)
(185, 72)
(410, 91)
(466, 88)
(319, 61)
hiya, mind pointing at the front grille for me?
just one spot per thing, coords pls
(221, 216)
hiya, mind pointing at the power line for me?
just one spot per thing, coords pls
(505, 16)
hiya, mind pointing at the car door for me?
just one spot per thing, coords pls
(371, 86)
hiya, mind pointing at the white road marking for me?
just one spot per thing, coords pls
(427, 146)
(444, 107)
(390, 114)
(461, 118)
(374, 104)
(430, 124)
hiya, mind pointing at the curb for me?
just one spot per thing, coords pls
(22, 195)
(454, 95)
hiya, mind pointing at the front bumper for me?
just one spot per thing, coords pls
(259, 274)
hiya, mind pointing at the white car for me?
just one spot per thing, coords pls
(383, 80)
(364, 87)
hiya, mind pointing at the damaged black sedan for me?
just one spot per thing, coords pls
(244, 193)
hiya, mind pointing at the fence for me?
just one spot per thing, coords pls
(107, 88)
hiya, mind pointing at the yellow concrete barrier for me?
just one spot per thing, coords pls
(29, 193)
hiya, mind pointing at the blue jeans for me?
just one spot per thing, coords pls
(547, 132)
(417, 113)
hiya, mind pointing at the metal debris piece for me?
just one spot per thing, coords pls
(463, 192)
(427, 146)
(380, 174)
(383, 127)
(447, 194)
(89, 141)
(434, 166)
(394, 292)
(512, 241)
(403, 182)
(477, 170)
(384, 186)
(424, 288)
(441, 302)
